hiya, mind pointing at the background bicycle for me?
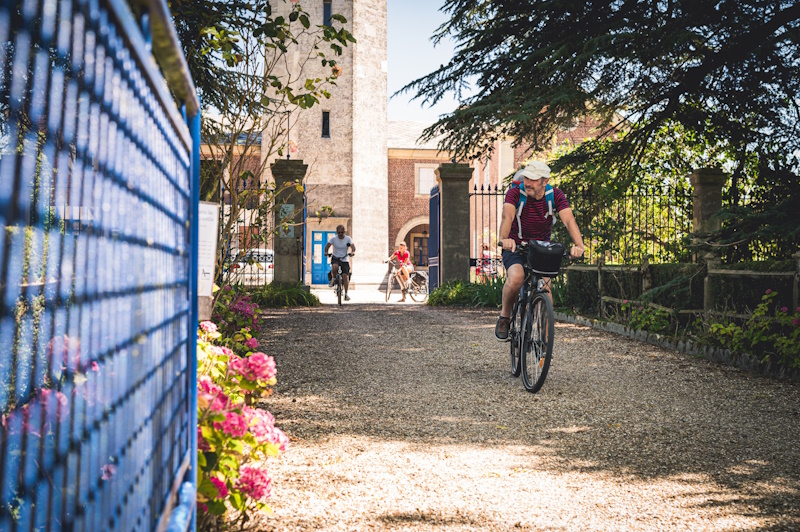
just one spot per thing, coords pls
(417, 286)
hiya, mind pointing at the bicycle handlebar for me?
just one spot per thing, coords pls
(525, 245)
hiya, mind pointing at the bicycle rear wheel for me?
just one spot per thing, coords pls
(389, 284)
(537, 349)
(418, 291)
(515, 337)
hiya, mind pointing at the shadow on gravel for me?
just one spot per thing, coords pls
(436, 377)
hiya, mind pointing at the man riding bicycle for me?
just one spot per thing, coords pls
(340, 257)
(534, 221)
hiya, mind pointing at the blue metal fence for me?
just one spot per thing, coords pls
(97, 321)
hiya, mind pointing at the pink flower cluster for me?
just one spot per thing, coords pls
(254, 482)
(252, 343)
(262, 427)
(222, 488)
(211, 394)
(256, 367)
(208, 326)
(234, 424)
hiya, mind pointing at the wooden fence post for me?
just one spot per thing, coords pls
(600, 262)
(796, 298)
(712, 262)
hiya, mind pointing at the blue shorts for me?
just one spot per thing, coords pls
(511, 258)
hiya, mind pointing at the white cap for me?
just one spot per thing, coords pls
(533, 170)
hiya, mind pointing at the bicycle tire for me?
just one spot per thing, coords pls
(389, 284)
(537, 350)
(419, 292)
(515, 338)
(339, 288)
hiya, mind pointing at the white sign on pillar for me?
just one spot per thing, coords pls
(208, 228)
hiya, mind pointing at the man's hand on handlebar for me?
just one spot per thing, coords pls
(507, 244)
(576, 252)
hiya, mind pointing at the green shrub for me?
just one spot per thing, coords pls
(276, 295)
(458, 293)
(580, 292)
(622, 283)
(743, 294)
(772, 333)
(678, 286)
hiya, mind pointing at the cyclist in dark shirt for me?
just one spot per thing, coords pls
(535, 223)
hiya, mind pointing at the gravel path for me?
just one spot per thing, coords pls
(407, 418)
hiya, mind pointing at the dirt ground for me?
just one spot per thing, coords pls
(407, 418)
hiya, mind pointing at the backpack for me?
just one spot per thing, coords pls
(523, 197)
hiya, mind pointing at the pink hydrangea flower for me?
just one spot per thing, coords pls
(279, 438)
(238, 365)
(769, 290)
(261, 423)
(252, 343)
(222, 488)
(226, 351)
(208, 326)
(262, 366)
(234, 424)
(210, 394)
(784, 310)
(796, 322)
(254, 482)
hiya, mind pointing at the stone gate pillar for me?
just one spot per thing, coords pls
(289, 209)
(454, 196)
(707, 186)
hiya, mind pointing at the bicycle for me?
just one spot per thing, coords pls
(532, 326)
(417, 283)
(338, 285)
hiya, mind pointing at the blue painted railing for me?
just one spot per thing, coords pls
(98, 189)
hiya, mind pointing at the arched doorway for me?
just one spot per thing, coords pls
(415, 234)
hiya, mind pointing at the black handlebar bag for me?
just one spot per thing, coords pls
(544, 258)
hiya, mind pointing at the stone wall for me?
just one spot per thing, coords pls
(370, 167)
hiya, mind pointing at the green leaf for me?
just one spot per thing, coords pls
(237, 500)
(304, 21)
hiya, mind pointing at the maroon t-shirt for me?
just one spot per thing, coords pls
(536, 224)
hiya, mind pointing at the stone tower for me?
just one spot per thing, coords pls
(348, 166)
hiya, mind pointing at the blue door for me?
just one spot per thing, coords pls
(320, 265)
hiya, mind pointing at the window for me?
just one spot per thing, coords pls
(326, 12)
(326, 124)
(426, 178)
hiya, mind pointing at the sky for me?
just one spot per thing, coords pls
(411, 55)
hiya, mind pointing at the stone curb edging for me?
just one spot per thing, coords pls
(714, 354)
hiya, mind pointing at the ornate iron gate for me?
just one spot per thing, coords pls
(434, 238)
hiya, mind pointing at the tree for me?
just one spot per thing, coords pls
(724, 74)
(253, 63)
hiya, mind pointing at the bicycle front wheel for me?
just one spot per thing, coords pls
(418, 292)
(537, 349)
(389, 284)
(339, 289)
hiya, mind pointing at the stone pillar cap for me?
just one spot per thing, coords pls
(708, 176)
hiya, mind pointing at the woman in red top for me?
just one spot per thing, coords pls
(402, 261)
